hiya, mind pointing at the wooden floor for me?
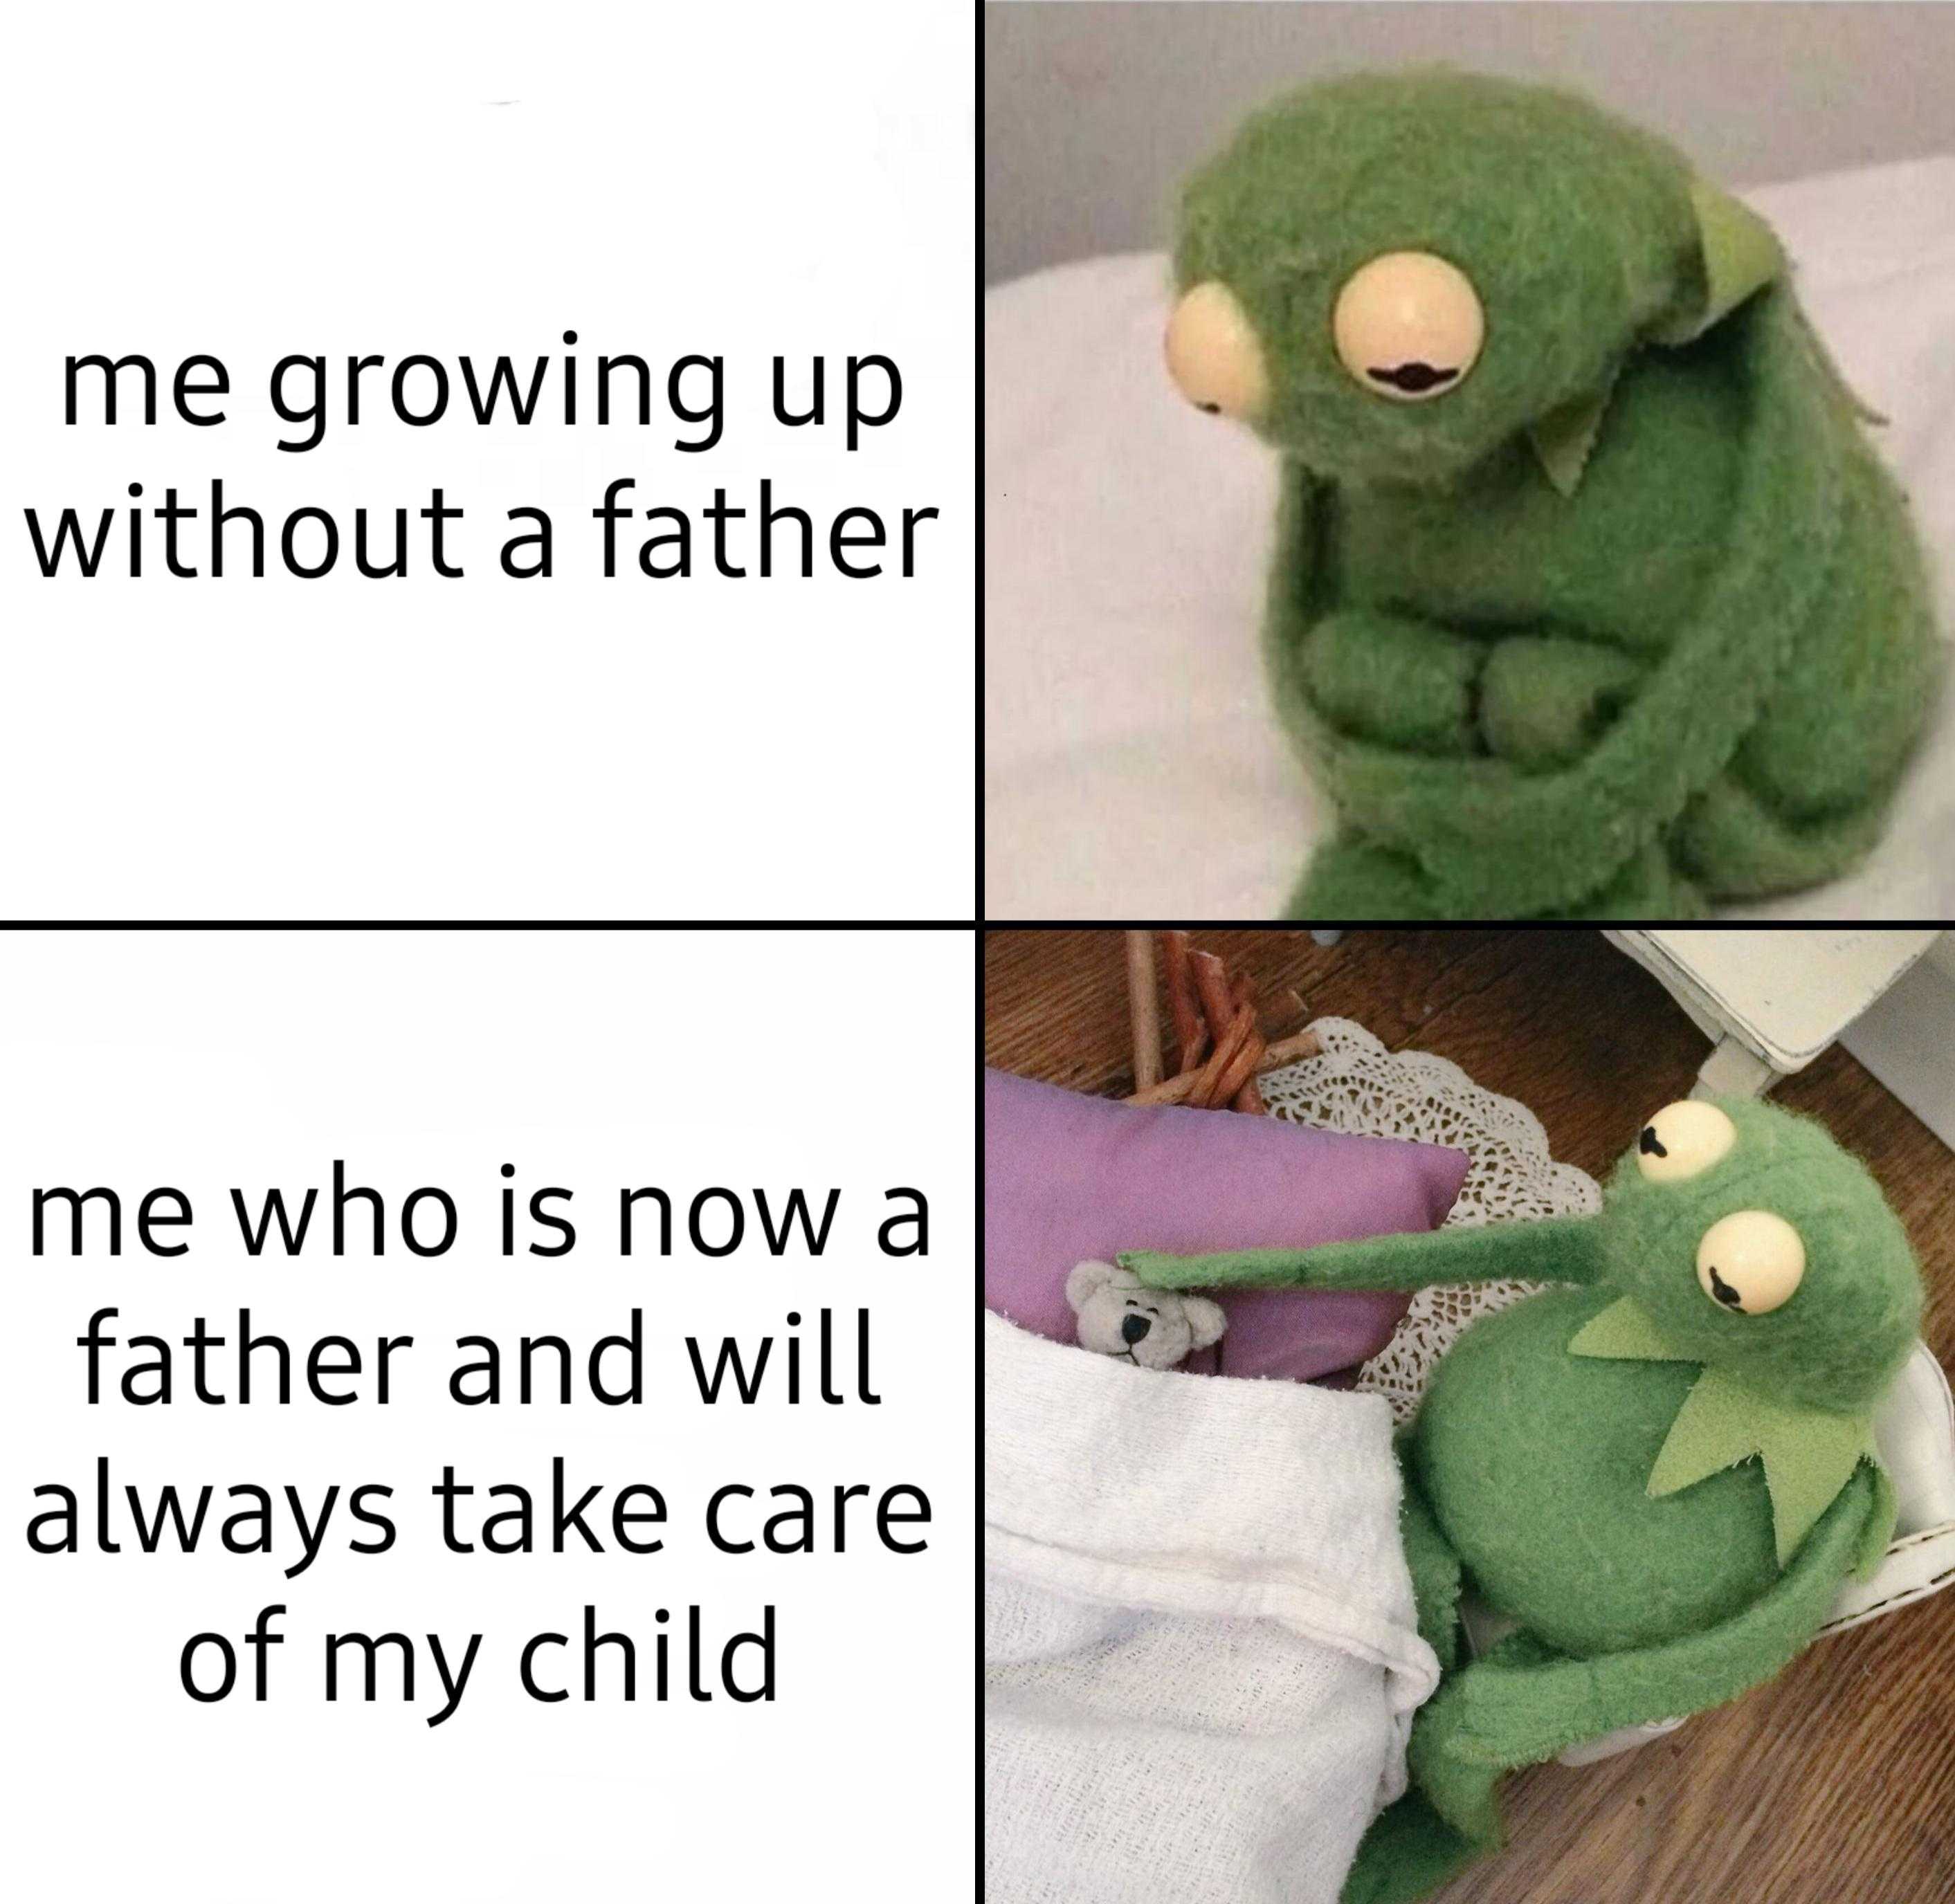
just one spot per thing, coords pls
(1835, 1781)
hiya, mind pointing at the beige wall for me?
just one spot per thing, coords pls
(1093, 110)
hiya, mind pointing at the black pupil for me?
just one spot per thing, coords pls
(1414, 376)
(1649, 1144)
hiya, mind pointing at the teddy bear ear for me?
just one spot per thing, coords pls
(1738, 253)
(1206, 1320)
(1083, 1279)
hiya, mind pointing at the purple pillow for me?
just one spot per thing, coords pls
(1068, 1178)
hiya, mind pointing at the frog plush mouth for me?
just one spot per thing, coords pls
(1414, 377)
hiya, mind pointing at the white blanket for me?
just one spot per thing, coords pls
(1132, 767)
(1201, 1655)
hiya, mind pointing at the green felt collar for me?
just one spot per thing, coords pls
(1809, 1454)
(1739, 257)
(1563, 438)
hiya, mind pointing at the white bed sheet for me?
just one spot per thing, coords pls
(1133, 768)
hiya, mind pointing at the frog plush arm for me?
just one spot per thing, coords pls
(1391, 680)
(1555, 1249)
(1523, 1703)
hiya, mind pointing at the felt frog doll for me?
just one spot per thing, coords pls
(1589, 597)
(1661, 1469)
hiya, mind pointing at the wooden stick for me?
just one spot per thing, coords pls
(1144, 1010)
(1246, 1048)
(1232, 1047)
(1224, 1005)
(1220, 1010)
(1247, 1098)
(1211, 985)
(1285, 1051)
(1188, 1035)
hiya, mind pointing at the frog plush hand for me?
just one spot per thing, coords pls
(1661, 1470)
(1589, 596)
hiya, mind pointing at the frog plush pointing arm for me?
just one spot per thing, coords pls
(1589, 596)
(1661, 1468)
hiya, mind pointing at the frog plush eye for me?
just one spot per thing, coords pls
(1212, 353)
(1683, 1139)
(1408, 325)
(1750, 1260)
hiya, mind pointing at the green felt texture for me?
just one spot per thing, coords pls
(1738, 254)
(1563, 438)
(1352, 879)
(1536, 1464)
(1806, 1453)
(1407, 1850)
(1624, 1331)
(1557, 1249)
(1834, 1344)
(1544, 698)
(1663, 1493)
(1839, 1339)
(1523, 1703)
(1434, 1568)
(1648, 515)
(1410, 683)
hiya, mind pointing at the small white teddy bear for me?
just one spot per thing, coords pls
(1151, 1328)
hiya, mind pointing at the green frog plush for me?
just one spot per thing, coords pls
(1590, 597)
(1660, 1470)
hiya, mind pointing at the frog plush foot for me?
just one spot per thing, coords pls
(1733, 841)
(1807, 795)
(1408, 1849)
(1649, 887)
(1352, 879)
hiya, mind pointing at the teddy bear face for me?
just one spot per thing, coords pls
(1151, 1328)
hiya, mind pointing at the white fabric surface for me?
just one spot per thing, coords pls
(1133, 768)
(1201, 1654)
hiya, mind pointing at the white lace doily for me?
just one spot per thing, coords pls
(1356, 1084)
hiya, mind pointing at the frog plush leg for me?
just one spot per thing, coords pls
(1741, 848)
(1555, 1249)
(1523, 1703)
(1353, 879)
(1409, 1848)
(1649, 887)
(1433, 1566)
(1807, 795)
